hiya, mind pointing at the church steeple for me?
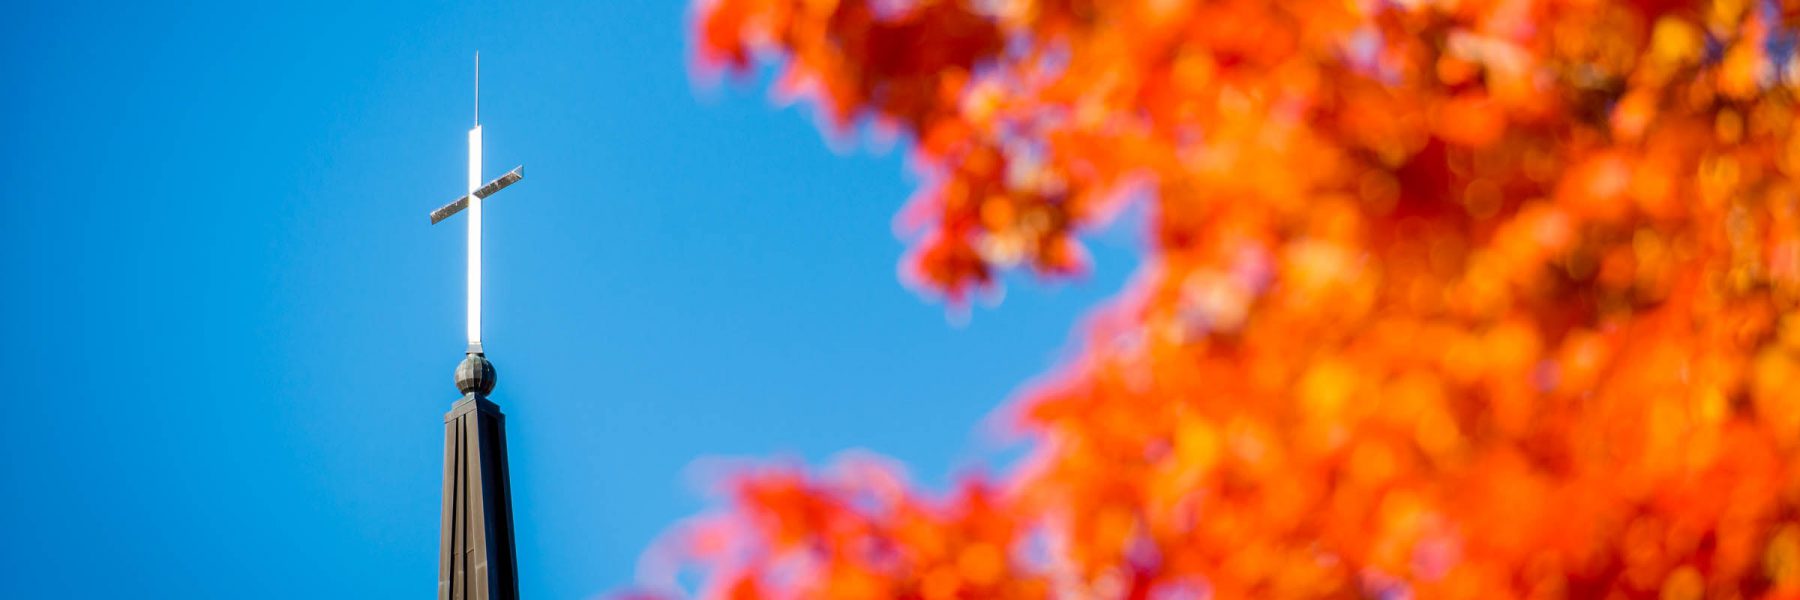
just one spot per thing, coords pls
(476, 559)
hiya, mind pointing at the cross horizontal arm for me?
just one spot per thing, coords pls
(482, 192)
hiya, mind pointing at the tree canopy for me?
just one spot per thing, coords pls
(1448, 299)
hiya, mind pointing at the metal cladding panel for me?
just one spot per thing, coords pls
(476, 557)
(503, 564)
(448, 545)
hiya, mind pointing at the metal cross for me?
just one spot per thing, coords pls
(472, 201)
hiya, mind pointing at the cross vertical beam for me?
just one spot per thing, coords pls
(474, 324)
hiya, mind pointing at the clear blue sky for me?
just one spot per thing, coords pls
(228, 331)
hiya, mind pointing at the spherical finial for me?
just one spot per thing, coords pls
(476, 375)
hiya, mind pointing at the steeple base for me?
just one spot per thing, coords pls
(476, 559)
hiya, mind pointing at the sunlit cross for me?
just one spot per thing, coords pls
(472, 201)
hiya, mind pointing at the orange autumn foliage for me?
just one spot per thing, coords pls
(1441, 298)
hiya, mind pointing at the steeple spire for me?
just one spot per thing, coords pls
(476, 558)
